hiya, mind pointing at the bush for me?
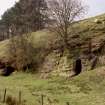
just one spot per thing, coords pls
(11, 101)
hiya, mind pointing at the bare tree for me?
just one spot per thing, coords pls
(63, 13)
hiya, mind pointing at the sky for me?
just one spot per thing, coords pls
(5, 4)
(96, 7)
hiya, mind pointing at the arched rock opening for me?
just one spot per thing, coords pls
(77, 67)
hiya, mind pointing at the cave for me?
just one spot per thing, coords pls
(7, 71)
(77, 67)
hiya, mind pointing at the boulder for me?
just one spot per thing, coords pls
(97, 21)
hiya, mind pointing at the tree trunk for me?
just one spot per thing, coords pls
(94, 62)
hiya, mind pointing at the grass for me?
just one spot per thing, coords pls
(85, 89)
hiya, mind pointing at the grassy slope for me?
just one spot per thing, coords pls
(40, 39)
(85, 29)
(85, 89)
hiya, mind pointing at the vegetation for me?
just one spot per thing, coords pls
(64, 13)
(26, 15)
(46, 42)
(41, 52)
(87, 88)
(63, 16)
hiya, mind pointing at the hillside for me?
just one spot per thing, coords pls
(47, 44)
(85, 89)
